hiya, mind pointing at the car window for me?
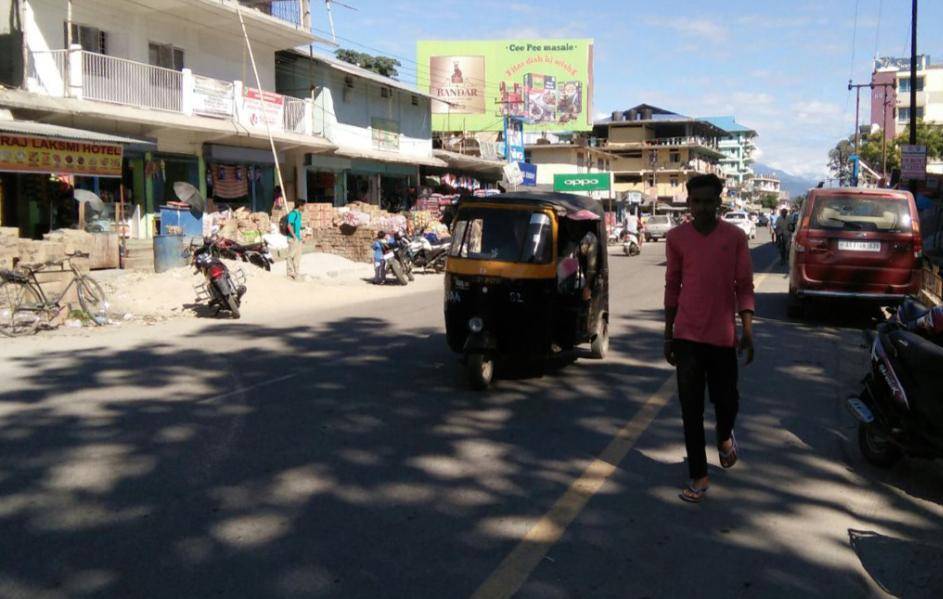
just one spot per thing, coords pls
(856, 213)
(504, 235)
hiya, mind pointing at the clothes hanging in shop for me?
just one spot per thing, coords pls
(230, 182)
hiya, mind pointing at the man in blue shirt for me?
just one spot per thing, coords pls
(294, 240)
(379, 264)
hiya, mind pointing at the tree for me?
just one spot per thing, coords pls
(839, 160)
(769, 201)
(381, 65)
(870, 149)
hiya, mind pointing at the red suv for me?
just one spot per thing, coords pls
(855, 243)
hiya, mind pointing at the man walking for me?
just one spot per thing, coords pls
(709, 279)
(295, 242)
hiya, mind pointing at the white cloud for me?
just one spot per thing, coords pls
(705, 29)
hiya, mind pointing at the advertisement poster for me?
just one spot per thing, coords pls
(514, 139)
(258, 105)
(212, 97)
(27, 154)
(385, 133)
(547, 83)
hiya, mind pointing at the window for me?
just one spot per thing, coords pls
(504, 235)
(91, 39)
(844, 213)
(674, 181)
(415, 101)
(386, 92)
(165, 55)
(903, 85)
(600, 164)
(674, 157)
(903, 114)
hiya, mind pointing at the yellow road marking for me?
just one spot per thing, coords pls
(517, 567)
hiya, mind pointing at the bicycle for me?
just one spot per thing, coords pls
(24, 305)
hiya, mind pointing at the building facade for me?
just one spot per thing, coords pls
(892, 105)
(176, 76)
(570, 159)
(737, 148)
(657, 151)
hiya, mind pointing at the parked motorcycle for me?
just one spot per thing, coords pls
(220, 288)
(395, 261)
(630, 244)
(253, 253)
(899, 408)
(423, 254)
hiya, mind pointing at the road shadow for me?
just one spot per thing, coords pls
(901, 568)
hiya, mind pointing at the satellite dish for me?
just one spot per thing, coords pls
(188, 194)
(92, 202)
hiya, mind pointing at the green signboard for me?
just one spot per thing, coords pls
(547, 83)
(582, 182)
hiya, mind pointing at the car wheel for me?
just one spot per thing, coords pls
(480, 371)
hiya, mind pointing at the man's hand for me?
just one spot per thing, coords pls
(670, 352)
(746, 345)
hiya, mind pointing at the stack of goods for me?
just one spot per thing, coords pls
(243, 226)
(421, 219)
(393, 223)
(318, 215)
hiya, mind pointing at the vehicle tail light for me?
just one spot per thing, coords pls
(918, 239)
(216, 271)
(800, 242)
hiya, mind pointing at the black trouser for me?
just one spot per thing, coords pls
(701, 365)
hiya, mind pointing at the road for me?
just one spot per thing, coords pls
(337, 452)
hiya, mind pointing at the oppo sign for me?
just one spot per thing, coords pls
(582, 182)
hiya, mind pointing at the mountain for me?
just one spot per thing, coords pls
(794, 184)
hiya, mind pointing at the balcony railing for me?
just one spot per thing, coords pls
(285, 10)
(86, 75)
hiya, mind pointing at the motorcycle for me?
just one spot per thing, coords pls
(220, 288)
(899, 408)
(422, 254)
(630, 244)
(253, 253)
(395, 261)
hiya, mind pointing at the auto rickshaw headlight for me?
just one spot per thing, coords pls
(476, 324)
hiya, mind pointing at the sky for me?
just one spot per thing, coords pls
(780, 67)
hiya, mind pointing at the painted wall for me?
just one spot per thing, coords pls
(129, 31)
(629, 134)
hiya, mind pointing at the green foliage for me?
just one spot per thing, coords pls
(870, 151)
(381, 65)
(769, 201)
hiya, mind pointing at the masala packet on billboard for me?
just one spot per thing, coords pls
(570, 102)
(540, 98)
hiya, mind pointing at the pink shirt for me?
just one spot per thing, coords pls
(709, 280)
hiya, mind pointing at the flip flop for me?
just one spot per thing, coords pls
(692, 494)
(729, 458)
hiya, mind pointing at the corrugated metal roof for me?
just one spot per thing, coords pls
(48, 130)
(727, 123)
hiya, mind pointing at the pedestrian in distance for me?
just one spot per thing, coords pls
(708, 280)
(782, 235)
(295, 242)
(379, 264)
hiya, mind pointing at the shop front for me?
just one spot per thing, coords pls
(326, 179)
(40, 167)
(240, 177)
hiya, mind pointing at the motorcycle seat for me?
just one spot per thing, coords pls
(918, 353)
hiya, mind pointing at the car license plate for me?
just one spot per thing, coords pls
(859, 246)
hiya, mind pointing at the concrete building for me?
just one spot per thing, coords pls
(894, 104)
(570, 159)
(738, 149)
(658, 151)
(761, 185)
(173, 74)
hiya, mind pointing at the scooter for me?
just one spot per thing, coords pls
(220, 288)
(899, 407)
(630, 244)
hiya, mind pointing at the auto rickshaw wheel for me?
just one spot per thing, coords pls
(480, 370)
(600, 346)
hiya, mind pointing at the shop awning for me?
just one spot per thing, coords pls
(380, 156)
(470, 163)
(48, 130)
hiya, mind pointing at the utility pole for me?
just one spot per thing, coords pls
(857, 87)
(913, 83)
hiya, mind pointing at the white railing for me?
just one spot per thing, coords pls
(121, 81)
(46, 72)
(294, 119)
(683, 141)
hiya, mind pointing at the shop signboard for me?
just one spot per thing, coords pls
(582, 182)
(258, 105)
(514, 139)
(634, 197)
(546, 82)
(28, 154)
(530, 173)
(913, 162)
(212, 97)
(385, 133)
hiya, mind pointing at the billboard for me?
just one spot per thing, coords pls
(547, 83)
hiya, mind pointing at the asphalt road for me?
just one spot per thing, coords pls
(339, 453)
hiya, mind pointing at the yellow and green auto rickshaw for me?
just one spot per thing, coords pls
(527, 276)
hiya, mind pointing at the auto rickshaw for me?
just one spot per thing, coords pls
(527, 276)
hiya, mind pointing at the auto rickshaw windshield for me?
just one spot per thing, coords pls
(502, 235)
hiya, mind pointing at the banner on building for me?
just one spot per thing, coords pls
(385, 133)
(514, 139)
(212, 97)
(913, 162)
(258, 105)
(530, 173)
(582, 182)
(28, 154)
(547, 83)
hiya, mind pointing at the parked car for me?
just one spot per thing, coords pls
(856, 243)
(657, 227)
(762, 220)
(742, 220)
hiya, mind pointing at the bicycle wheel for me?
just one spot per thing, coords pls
(92, 299)
(20, 309)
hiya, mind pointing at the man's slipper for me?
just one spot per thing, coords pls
(691, 494)
(729, 458)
